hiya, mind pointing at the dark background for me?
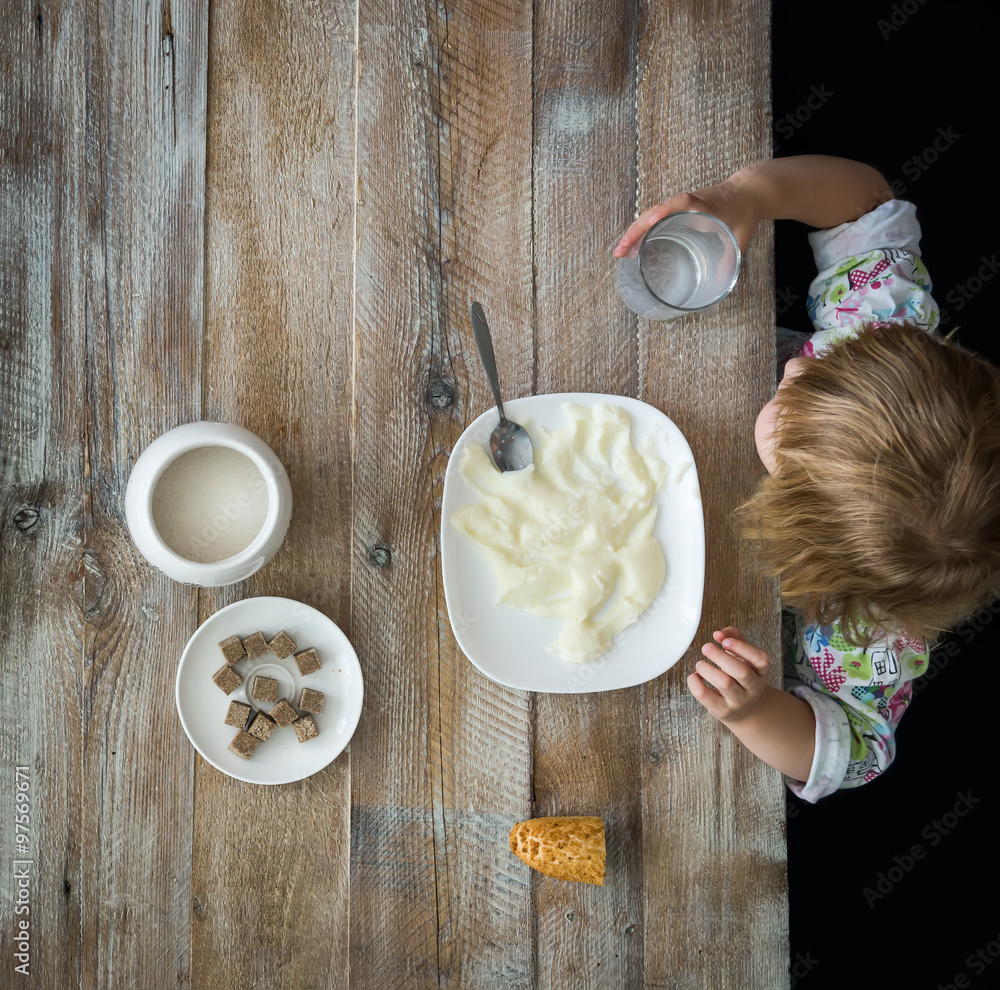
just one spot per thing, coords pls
(887, 80)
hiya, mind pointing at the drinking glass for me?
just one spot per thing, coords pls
(686, 262)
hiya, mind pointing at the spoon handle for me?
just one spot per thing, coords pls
(485, 344)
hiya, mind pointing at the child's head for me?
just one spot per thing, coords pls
(882, 504)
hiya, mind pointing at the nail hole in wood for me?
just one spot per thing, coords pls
(379, 554)
(441, 394)
(26, 519)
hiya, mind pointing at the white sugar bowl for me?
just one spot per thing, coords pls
(208, 503)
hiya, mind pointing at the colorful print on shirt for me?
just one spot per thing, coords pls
(872, 686)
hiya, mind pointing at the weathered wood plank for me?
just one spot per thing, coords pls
(91, 317)
(109, 190)
(584, 190)
(145, 96)
(441, 763)
(587, 747)
(394, 903)
(271, 864)
(713, 816)
(480, 741)
(42, 244)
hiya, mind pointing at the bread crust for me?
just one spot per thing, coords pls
(567, 848)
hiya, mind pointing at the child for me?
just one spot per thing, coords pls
(880, 511)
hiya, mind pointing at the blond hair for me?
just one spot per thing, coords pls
(884, 505)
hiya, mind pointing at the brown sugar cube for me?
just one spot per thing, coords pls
(282, 645)
(264, 689)
(238, 714)
(243, 745)
(305, 728)
(262, 726)
(232, 649)
(227, 678)
(284, 714)
(311, 701)
(307, 661)
(255, 645)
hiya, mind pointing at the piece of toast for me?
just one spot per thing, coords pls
(565, 848)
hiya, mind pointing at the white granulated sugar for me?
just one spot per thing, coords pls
(210, 503)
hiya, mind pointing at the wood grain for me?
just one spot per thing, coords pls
(111, 204)
(371, 169)
(480, 739)
(587, 747)
(145, 208)
(713, 815)
(42, 520)
(441, 768)
(394, 903)
(271, 864)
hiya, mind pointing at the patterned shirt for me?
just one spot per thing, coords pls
(869, 270)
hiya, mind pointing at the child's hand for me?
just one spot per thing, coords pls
(738, 672)
(735, 207)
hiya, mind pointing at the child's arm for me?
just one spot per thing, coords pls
(818, 190)
(774, 725)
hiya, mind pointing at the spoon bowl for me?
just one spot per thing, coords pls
(510, 445)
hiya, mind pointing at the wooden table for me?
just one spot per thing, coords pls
(277, 214)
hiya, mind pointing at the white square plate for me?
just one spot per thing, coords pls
(509, 645)
(202, 705)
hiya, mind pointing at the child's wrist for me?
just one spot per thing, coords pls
(753, 709)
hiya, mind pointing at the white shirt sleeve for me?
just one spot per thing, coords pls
(833, 747)
(869, 271)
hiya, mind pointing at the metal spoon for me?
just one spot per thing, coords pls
(510, 444)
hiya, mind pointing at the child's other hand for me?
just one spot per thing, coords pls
(727, 201)
(738, 672)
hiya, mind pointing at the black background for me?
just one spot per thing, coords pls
(891, 79)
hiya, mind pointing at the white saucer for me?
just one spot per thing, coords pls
(202, 705)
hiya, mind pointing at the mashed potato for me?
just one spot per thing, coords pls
(571, 536)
